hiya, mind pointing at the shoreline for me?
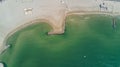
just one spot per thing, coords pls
(48, 20)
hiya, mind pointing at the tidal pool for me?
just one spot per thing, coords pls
(88, 41)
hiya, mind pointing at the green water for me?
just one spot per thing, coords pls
(88, 41)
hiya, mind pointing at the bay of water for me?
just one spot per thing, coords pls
(88, 41)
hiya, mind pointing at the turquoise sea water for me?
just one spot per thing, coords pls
(88, 41)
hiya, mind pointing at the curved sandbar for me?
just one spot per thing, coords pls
(15, 17)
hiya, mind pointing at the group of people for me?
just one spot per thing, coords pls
(103, 7)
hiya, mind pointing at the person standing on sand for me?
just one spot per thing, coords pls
(104, 6)
(100, 6)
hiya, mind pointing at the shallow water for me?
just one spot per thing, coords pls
(88, 41)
